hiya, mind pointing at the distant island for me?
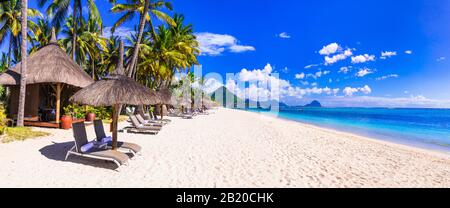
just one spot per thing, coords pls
(313, 104)
(224, 93)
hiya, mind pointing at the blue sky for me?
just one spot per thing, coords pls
(360, 53)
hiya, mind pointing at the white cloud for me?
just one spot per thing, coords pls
(120, 32)
(362, 58)
(344, 69)
(334, 53)
(388, 54)
(284, 35)
(366, 89)
(300, 76)
(440, 59)
(211, 85)
(262, 85)
(408, 52)
(336, 91)
(329, 49)
(318, 74)
(349, 91)
(256, 74)
(363, 72)
(311, 66)
(338, 57)
(215, 44)
(241, 48)
(387, 77)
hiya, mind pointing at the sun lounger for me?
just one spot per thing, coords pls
(128, 147)
(139, 128)
(154, 118)
(147, 122)
(179, 114)
(80, 136)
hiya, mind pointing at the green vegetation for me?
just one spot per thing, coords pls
(79, 111)
(122, 118)
(162, 45)
(153, 54)
(3, 120)
(21, 134)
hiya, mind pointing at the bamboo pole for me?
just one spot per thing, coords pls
(114, 125)
(58, 102)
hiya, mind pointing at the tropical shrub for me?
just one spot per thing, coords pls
(75, 111)
(79, 111)
(102, 112)
(3, 120)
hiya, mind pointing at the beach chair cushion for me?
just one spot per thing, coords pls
(87, 147)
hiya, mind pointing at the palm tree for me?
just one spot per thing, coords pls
(97, 44)
(10, 21)
(146, 9)
(23, 71)
(89, 42)
(187, 42)
(3, 62)
(174, 50)
(58, 10)
(109, 57)
(42, 34)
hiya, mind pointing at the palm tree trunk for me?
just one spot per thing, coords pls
(23, 72)
(131, 65)
(75, 27)
(93, 69)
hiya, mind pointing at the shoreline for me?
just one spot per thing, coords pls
(434, 152)
(432, 147)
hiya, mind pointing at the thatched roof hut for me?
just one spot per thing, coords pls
(50, 71)
(50, 64)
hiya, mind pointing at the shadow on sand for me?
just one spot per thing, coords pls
(58, 151)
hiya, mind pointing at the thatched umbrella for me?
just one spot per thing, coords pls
(166, 99)
(165, 95)
(49, 64)
(116, 90)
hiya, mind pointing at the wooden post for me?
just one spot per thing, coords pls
(114, 124)
(161, 112)
(58, 102)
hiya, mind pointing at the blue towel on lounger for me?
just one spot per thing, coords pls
(87, 147)
(107, 140)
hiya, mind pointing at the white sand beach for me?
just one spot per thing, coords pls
(229, 148)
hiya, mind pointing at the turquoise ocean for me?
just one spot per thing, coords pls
(424, 128)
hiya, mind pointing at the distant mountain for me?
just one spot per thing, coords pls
(228, 94)
(313, 104)
(283, 105)
(224, 93)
